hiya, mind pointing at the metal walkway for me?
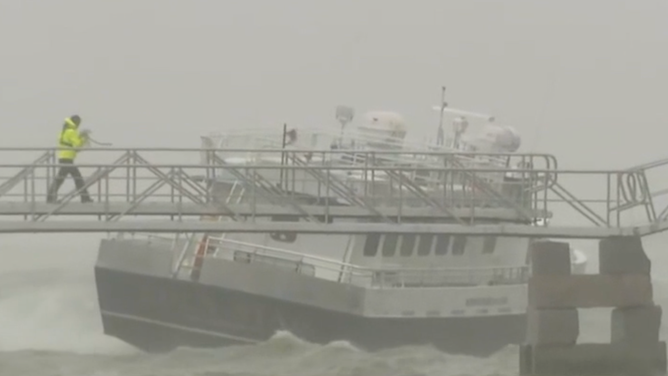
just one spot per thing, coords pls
(192, 190)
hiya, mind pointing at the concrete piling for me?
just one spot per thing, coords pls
(623, 283)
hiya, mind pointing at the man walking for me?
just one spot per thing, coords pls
(70, 142)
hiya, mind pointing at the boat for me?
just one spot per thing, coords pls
(460, 294)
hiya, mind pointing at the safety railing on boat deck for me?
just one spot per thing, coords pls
(428, 179)
(324, 148)
(355, 149)
(124, 182)
(320, 139)
(385, 277)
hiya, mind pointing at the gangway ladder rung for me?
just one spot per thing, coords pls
(410, 184)
(338, 187)
(271, 191)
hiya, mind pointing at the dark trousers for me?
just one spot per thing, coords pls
(60, 179)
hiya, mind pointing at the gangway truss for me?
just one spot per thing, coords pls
(319, 191)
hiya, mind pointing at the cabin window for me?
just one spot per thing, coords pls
(371, 245)
(459, 245)
(285, 237)
(390, 245)
(424, 246)
(488, 244)
(442, 245)
(325, 219)
(407, 245)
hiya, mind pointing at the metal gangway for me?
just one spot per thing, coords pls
(161, 190)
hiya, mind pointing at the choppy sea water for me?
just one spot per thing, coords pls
(50, 325)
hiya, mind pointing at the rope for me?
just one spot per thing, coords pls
(86, 133)
(92, 140)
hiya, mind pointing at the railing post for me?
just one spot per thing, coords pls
(608, 197)
(401, 195)
(107, 208)
(254, 194)
(180, 210)
(134, 182)
(130, 162)
(32, 195)
(327, 192)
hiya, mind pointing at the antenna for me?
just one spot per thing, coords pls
(442, 109)
(344, 115)
(440, 136)
(460, 124)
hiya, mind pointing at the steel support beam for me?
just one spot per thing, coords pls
(195, 226)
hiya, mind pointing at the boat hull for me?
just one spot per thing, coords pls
(144, 301)
(158, 314)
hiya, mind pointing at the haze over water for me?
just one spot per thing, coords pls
(583, 80)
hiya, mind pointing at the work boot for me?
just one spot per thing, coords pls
(51, 199)
(86, 199)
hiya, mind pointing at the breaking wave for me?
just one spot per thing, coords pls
(52, 309)
(49, 320)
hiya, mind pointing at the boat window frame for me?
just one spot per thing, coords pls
(390, 251)
(428, 240)
(403, 250)
(371, 245)
(442, 251)
(459, 243)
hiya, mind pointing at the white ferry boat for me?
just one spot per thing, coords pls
(461, 294)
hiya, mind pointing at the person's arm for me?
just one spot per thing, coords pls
(74, 139)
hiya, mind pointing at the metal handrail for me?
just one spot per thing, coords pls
(621, 191)
(387, 277)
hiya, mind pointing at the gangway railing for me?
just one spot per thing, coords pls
(269, 190)
(335, 185)
(403, 181)
(127, 183)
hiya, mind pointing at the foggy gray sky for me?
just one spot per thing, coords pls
(568, 71)
(584, 79)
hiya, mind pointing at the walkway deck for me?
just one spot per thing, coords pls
(166, 226)
(133, 195)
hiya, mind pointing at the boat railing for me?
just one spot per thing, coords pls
(352, 155)
(318, 139)
(451, 277)
(239, 249)
(382, 277)
(354, 143)
(442, 181)
(324, 138)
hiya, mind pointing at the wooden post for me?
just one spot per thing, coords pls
(623, 283)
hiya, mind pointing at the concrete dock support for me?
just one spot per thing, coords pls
(623, 283)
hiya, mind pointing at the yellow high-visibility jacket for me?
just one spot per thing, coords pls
(70, 140)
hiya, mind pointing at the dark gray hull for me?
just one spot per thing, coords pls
(159, 314)
(144, 304)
